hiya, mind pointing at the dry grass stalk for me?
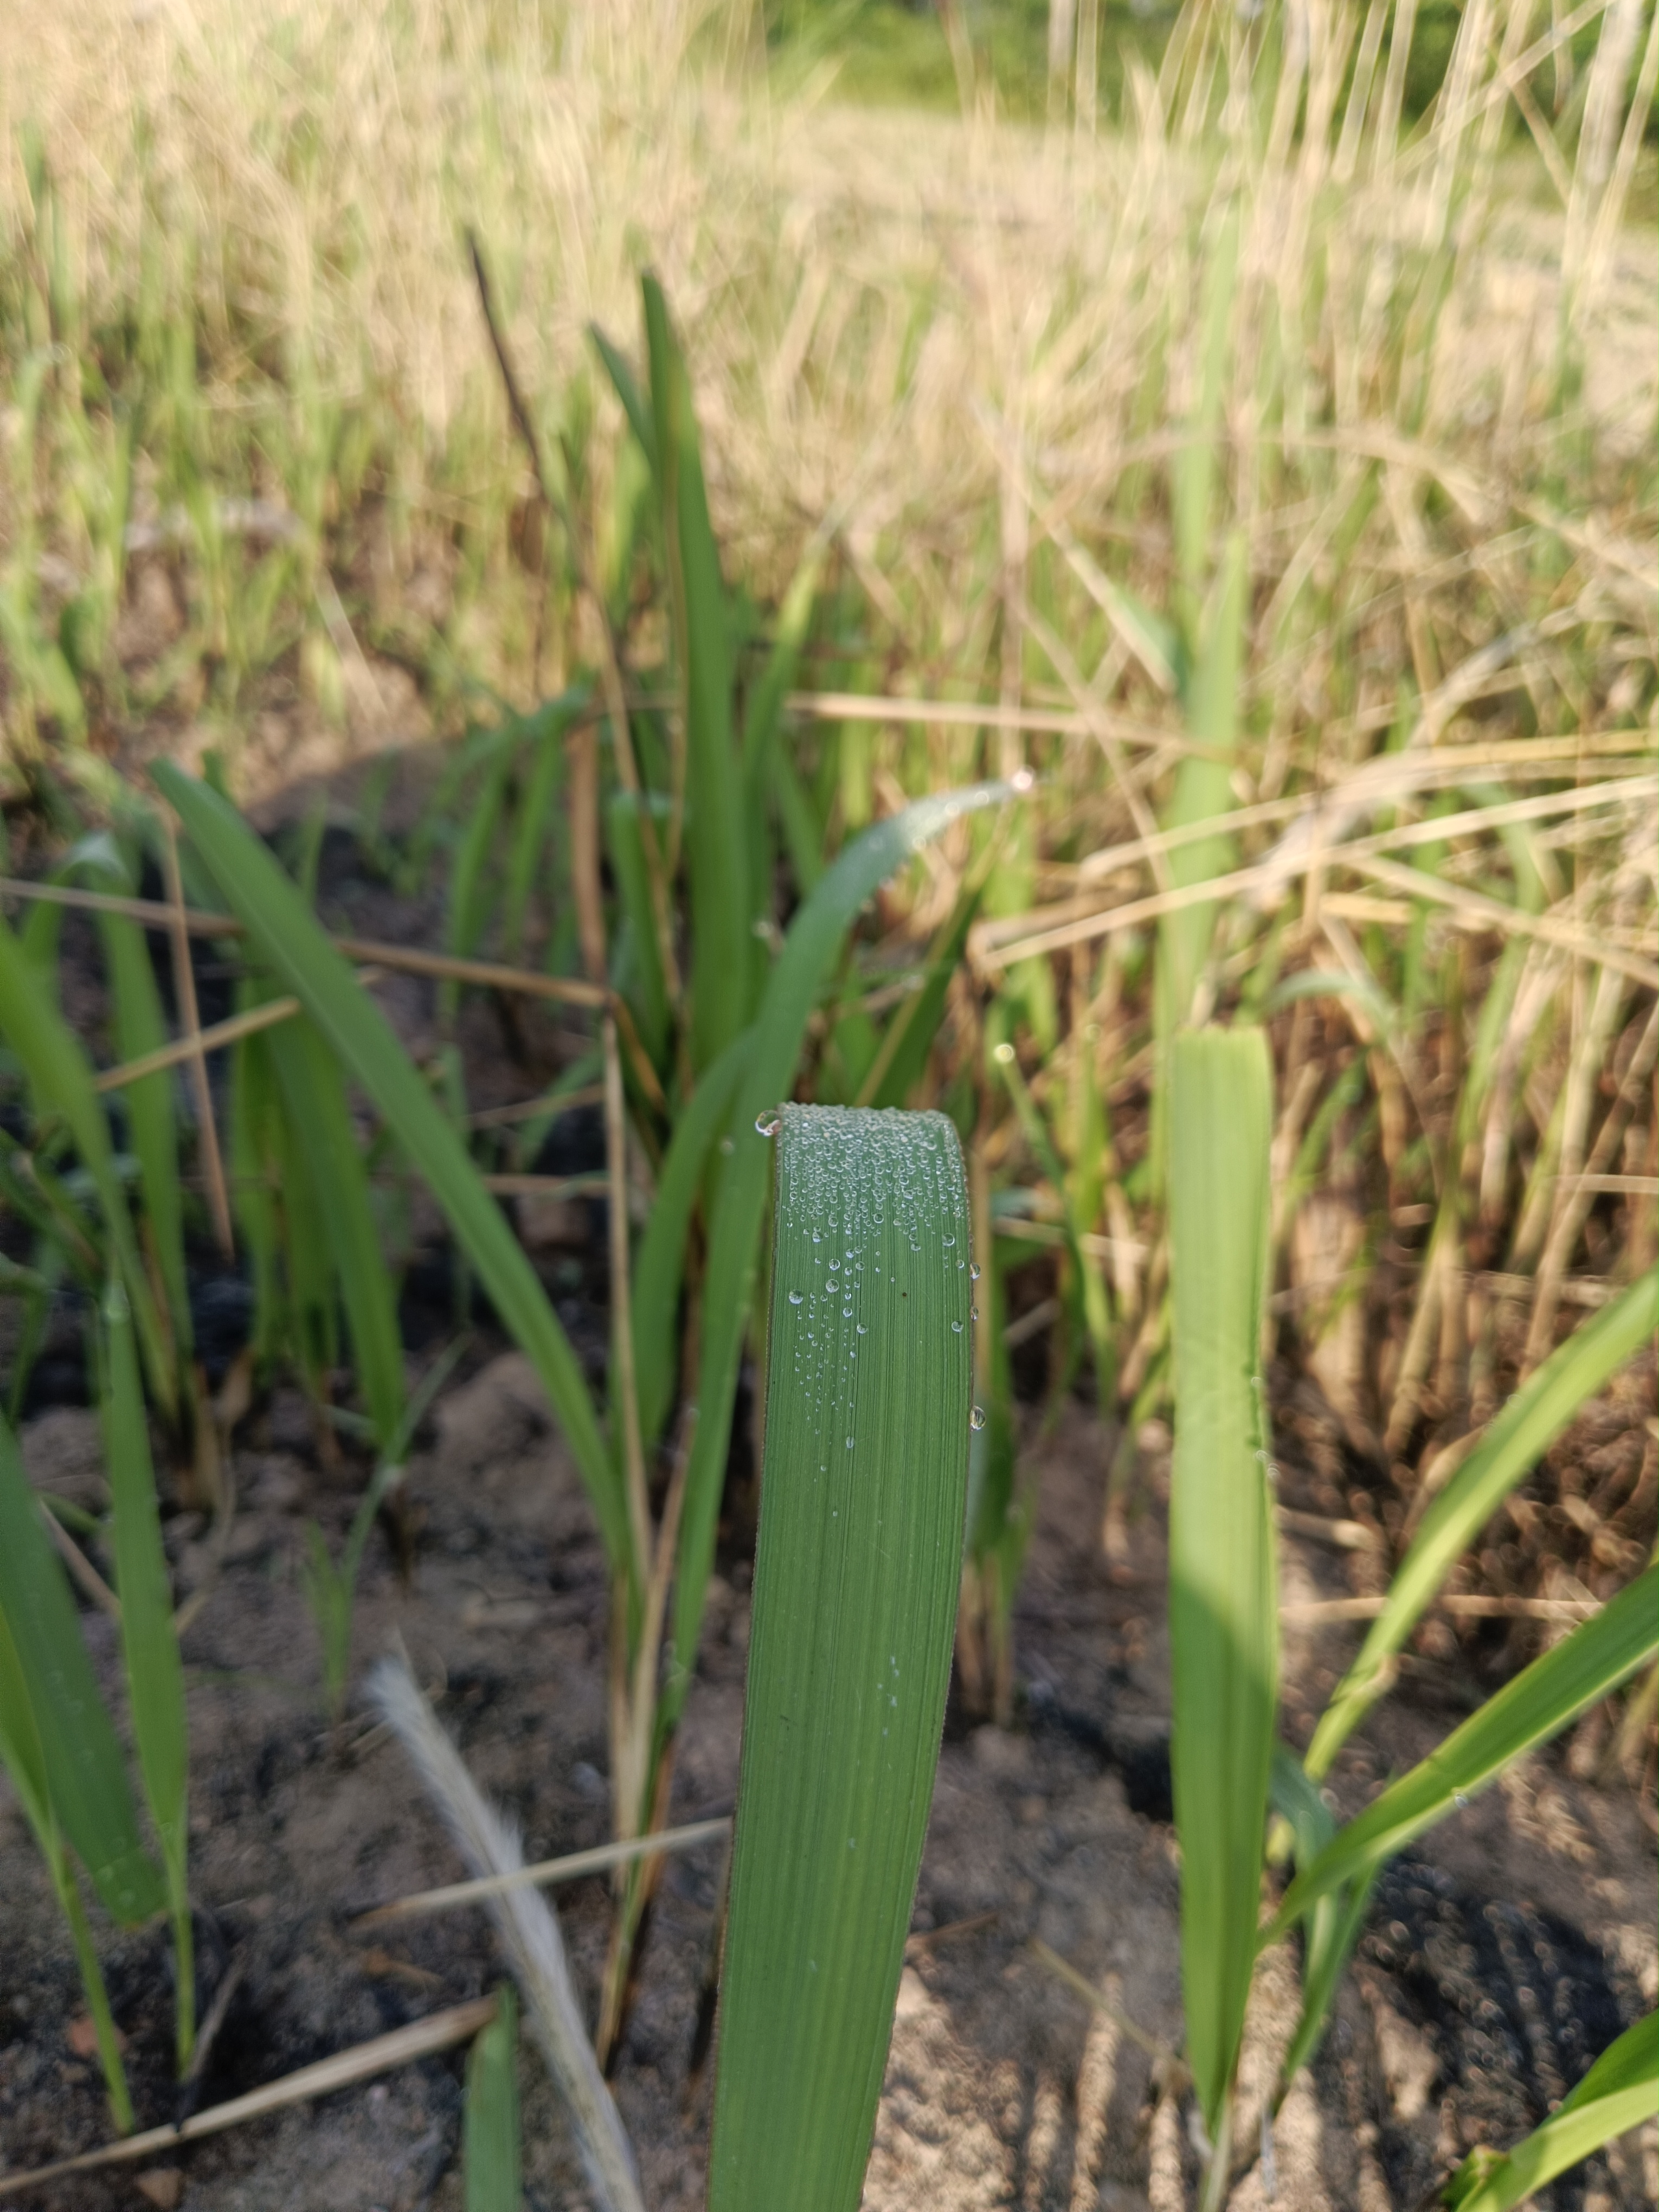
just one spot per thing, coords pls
(403, 2047)
(529, 1935)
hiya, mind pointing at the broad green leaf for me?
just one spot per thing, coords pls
(490, 2126)
(289, 941)
(1620, 2092)
(659, 1263)
(61, 1083)
(314, 1099)
(1507, 1453)
(1224, 1597)
(716, 846)
(809, 953)
(86, 1776)
(1538, 1703)
(149, 1642)
(856, 1575)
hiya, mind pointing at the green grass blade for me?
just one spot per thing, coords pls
(716, 848)
(61, 1083)
(1538, 1703)
(85, 1774)
(532, 820)
(622, 376)
(1510, 1448)
(1334, 1922)
(638, 973)
(659, 1263)
(855, 1588)
(473, 882)
(149, 1642)
(20, 1751)
(290, 942)
(1204, 788)
(255, 1117)
(762, 721)
(1223, 1598)
(1620, 2092)
(489, 2127)
(24, 1761)
(803, 833)
(141, 1028)
(797, 977)
(314, 1099)
(909, 1037)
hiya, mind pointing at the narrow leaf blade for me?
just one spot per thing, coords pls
(85, 1773)
(489, 2129)
(1223, 1617)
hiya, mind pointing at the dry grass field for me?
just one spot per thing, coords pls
(1264, 486)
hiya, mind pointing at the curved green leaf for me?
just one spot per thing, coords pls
(1510, 1448)
(1620, 2092)
(1539, 1703)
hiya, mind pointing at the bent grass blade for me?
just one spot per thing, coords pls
(1512, 1445)
(1224, 1616)
(863, 1483)
(1620, 2092)
(1538, 1703)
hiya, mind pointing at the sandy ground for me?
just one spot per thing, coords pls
(1499, 1960)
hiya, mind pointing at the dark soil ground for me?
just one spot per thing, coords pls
(1498, 1960)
